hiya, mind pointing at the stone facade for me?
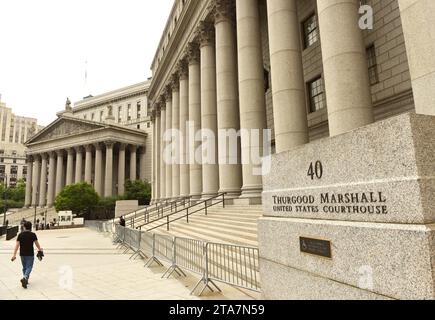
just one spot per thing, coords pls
(14, 132)
(195, 26)
(104, 141)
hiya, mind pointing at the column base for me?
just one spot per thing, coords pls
(251, 195)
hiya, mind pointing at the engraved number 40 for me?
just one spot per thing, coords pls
(315, 170)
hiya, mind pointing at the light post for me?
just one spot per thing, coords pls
(34, 218)
(5, 198)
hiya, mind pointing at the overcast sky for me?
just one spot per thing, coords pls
(44, 45)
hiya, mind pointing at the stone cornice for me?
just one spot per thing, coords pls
(115, 96)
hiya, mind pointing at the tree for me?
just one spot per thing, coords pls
(79, 198)
(138, 190)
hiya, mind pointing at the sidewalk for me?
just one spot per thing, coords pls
(81, 264)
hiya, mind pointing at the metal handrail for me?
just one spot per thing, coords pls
(158, 211)
(188, 212)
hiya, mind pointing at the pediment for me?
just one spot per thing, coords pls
(64, 127)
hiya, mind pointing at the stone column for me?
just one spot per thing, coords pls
(59, 172)
(98, 183)
(195, 160)
(157, 155)
(79, 165)
(345, 67)
(418, 20)
(133, 161)
(88, 164)
(29, 182)
(108, 178)
(162, 151)
(35, 180)
(70, 167)
(288, 84)
(176, 127)
(43, 183)
(210, 167)
(142, 163)
(121, 170)
(252, 100)
(51, 180)
(168, 156)
(183, 70)
(153, 159)
(230, 173)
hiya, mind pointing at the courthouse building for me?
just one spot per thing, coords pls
(287, 66)
(14, 132)
(104, 140)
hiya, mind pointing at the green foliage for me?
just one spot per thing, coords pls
(138, 190)
(12, 197)
(79, 198)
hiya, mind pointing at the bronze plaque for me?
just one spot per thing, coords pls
(321, 248)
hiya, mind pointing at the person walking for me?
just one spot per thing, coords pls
(25, 242)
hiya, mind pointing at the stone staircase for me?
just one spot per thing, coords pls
(234, 224)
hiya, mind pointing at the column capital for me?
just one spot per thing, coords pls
(60, 153)
(44, 156)
(206, 33)
(29, 158)
(224, 10)
(71, 151)
(122, 146)
(98, 146)
(52, 154)
(175, 82)
(109, 144)
(183, 69)
(193, 53)
(168, 93)
(132, 148)
(89, 147)
(78, 149)
(142, 149)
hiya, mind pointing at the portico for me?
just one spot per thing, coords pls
(73, 150)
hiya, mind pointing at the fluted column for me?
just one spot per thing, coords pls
(35, 180)
(162, 151)
(133, 161)
(184, 118)
(79, 165)
(98, 183)
(210, 167)
(43, 183)
(176, 128)
(195, 160)
(142, 163)
(70, 167)
(418, 22)
(157, 155)
(288, 84)
(29, 182)
(166, 138)
(59, 171)
(153, 159)
(121, 169)
(108, 177)
(51, 179)
(88, 164)
(345, 67)
(252, 99)
(230, 171)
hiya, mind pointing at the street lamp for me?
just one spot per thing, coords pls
(5, 194)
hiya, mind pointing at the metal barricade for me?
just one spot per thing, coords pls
(146, 243)
(189, 254)
(234, 265)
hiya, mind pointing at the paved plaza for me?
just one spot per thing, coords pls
(81, 264)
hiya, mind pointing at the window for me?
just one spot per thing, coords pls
(92, 116)
(317, 95)
(101, 116)
(2, 160)
(373, 65)
(129, 112)
(119, 114)
(149, 125)
(139, 106)
(138, 127)
(311, 35)
(85, 117)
